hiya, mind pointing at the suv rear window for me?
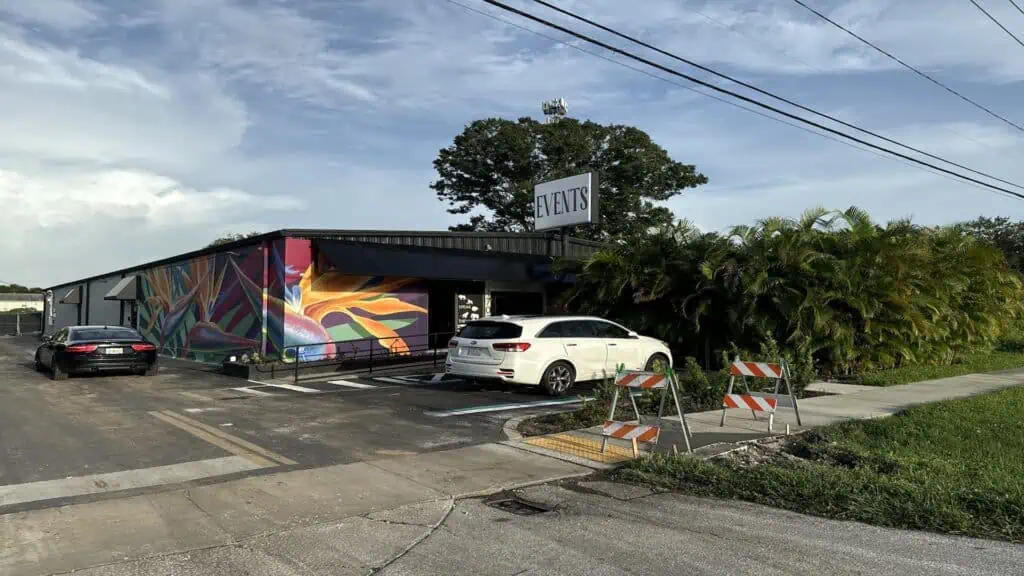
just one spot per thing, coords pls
(491, 331)
(104, 334)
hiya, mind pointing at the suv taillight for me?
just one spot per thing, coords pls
(143, 347)
(453, 343)
(512, 346)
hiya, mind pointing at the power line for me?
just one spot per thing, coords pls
(1017, 6)
(998, 23)
(743, 98)
(769, 94)
(911, 68)
(818, 69)
(712, 96)
(747, 85)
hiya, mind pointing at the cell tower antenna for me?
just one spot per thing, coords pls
(554, 110)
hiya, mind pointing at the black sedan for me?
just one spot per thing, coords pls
(80, 349)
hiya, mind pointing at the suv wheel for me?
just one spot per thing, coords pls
(558, 378)
(657, 364)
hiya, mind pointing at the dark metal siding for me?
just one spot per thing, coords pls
(522, 243)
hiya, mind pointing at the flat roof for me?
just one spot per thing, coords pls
(521, 243)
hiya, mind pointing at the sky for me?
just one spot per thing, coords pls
(134, 130)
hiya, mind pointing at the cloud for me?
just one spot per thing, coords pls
(65, 15)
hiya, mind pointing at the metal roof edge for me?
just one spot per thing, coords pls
(312, 233)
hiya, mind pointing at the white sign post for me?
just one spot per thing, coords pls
(565, 202)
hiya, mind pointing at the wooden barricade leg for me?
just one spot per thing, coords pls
(789, 390)
(615, 400)
(746, 389)
(727, 392)
(682, 417)
(636, 410)
(771, 415)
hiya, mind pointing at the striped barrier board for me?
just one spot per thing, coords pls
(755, 403)
(637, 432)
(642, 380)
(755, 369)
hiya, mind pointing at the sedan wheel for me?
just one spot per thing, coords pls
(558, 378)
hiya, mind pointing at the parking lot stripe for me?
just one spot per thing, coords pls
(250, 390)
(230, 438)
(437, 377)
(350, 384)
(390, 380)
(292, 387)
(124, 480)
(505, 407)
(235, 449)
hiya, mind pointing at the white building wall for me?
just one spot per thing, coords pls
(103, 312)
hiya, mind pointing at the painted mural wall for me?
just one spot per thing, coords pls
(205, 308)
(306, 310)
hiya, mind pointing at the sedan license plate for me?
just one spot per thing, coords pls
(467, 351)
(113, 351)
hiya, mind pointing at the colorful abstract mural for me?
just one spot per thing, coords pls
(200, 309)
(329, 313)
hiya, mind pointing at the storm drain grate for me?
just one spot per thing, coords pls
(516, 505)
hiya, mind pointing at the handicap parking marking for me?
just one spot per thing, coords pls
(506, 407)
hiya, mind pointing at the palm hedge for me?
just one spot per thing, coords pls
(831, 289)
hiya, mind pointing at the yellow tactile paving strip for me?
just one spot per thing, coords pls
(582, 448)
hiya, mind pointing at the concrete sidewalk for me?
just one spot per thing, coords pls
(859, 403)
(331, 516)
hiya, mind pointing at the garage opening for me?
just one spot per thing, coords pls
(516, 303)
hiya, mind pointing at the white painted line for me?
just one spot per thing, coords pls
(200, 410)
(389, 380)
(293, 387)
(350, 384)
(125, 480)
(506, 407)
(437, 377)
(248, 390)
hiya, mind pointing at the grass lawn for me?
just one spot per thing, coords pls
(955, 467)
(984, 362)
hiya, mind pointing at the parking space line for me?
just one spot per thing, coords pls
(390, 380)
(124, 480)
(292, 387)
(235, 449)
(250, 390)
(350, 384)
(230, 438)
(505, 407)
(437, 377)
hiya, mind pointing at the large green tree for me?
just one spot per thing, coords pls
(491, 168)
(1004, 234)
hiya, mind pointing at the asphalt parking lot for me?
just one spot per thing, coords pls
(89, 436)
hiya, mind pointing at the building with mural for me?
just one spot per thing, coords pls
(320, 293)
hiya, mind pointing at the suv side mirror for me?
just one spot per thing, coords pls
(633, 334)
(46, 337)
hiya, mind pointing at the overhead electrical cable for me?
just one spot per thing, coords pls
(711, 96)
(998, 23)
(663, 68)
(927, 77)
(749, 86)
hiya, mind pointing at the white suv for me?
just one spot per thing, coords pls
(552, 351)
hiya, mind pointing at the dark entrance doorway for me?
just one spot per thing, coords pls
(441, 308)
(517, 303)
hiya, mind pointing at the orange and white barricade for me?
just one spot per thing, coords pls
(775, 371)
(640, 432)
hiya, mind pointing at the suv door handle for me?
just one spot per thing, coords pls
(612, 344)
(572, 344)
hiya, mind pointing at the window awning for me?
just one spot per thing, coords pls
(73, 296)
(123, 290)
